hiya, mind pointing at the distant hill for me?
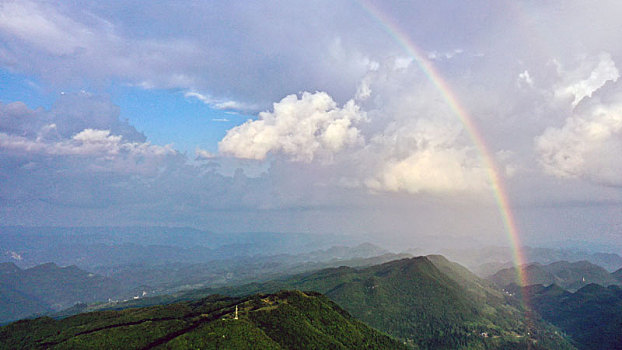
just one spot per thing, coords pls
(363, 250)
(570, 276)
(49, 287)
(170, 277)
(8, 267)
(15, 304)
(490, 268)
(89, 247)
(592, 316)
(617, 275)
(285, 320)
(481, 259)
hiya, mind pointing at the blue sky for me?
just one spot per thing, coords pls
(165, 116)
(313, 117)
(20, 87)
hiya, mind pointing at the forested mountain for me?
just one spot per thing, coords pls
(570, 276)
(422, 304)
(592, 316)
(285, 320)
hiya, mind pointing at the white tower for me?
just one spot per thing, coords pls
(236, 313)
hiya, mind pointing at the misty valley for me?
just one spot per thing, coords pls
(186, 288)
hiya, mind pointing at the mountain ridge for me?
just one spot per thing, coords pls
(569, 275)
(283, 320)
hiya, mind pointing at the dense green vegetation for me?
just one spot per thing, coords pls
(592, 316)
(570, 276)
(424, 305)
(285, 320)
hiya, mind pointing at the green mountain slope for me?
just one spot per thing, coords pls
(285, 320)
(426, 306)
(592, 316)
(570, 276)
(479, 289)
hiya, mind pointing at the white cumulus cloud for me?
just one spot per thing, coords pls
(300, 128)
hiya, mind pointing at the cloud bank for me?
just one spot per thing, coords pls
(589, 143)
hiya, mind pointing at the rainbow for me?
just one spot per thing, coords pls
(441, 85)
